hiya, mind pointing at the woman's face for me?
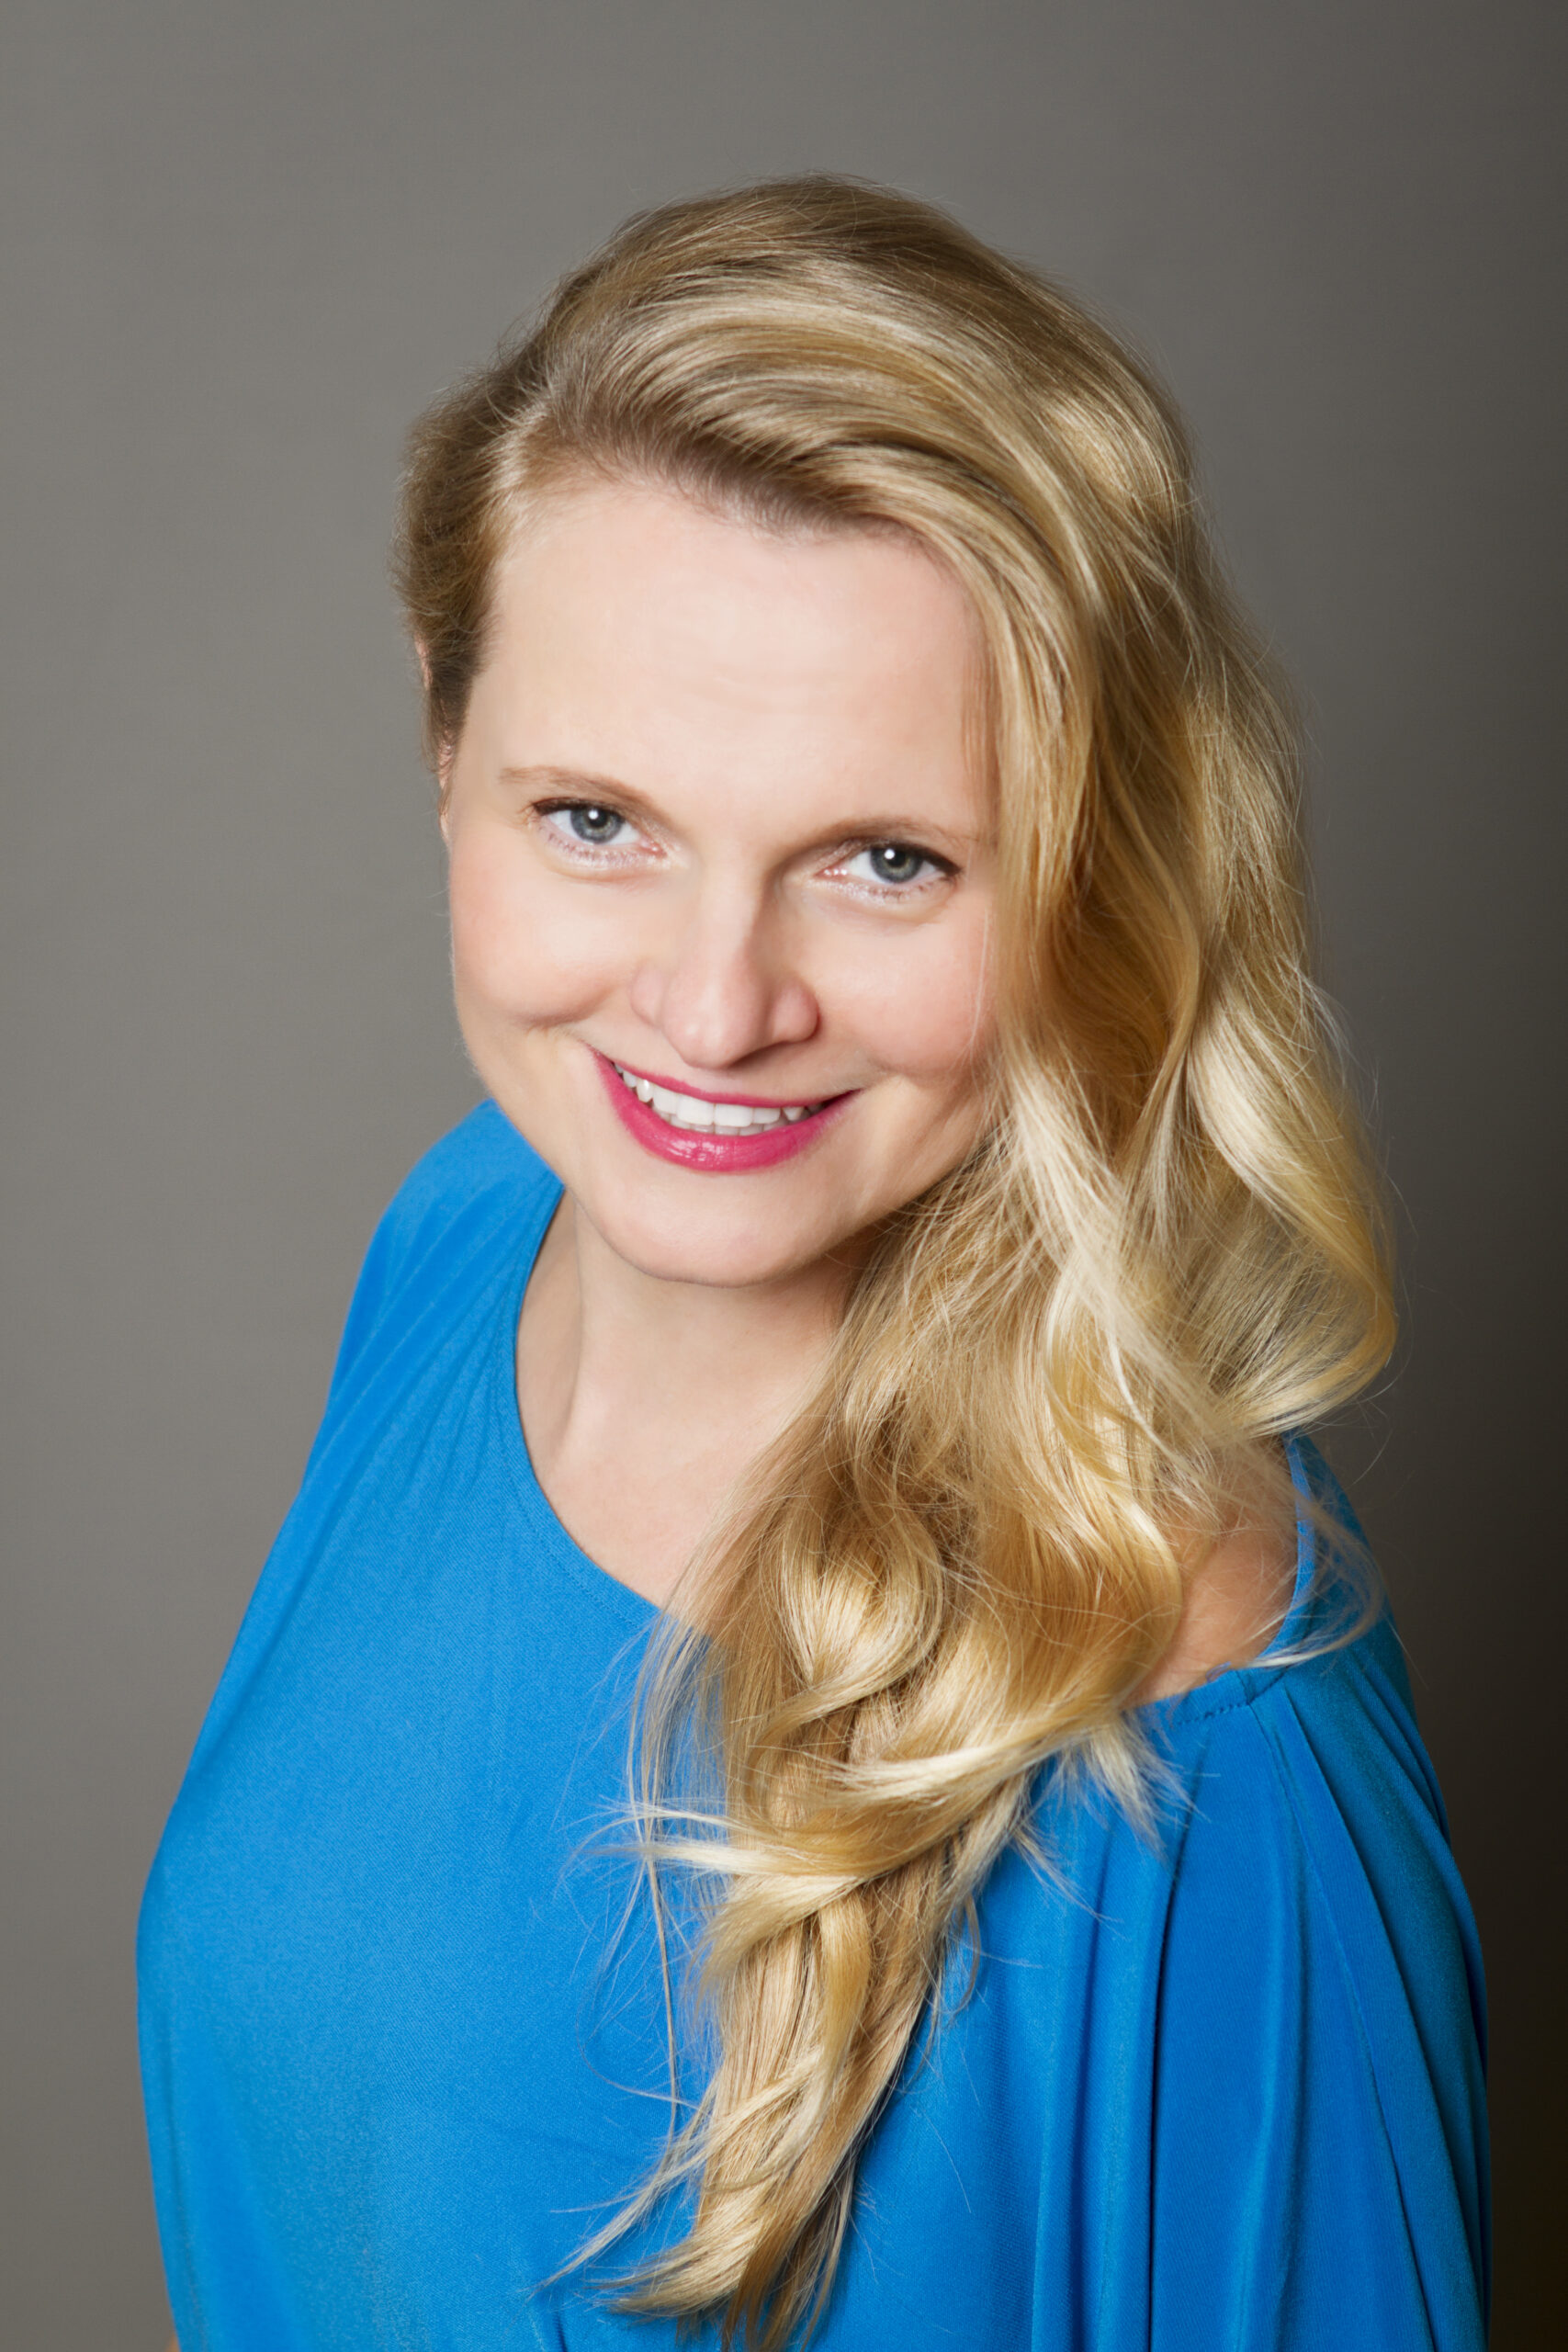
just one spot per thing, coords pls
(721, 878)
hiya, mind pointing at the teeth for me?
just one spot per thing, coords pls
(681, 1110)
(691, 1112)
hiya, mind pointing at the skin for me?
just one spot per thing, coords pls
(762, 712)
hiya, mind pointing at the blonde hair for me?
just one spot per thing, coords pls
(960, 1561)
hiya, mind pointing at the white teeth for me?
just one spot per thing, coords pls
(681, 1110)
(691, 1112)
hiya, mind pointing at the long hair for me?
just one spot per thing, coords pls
(960, 1559)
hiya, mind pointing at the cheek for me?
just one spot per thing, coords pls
(926, 1015)
(524, 950)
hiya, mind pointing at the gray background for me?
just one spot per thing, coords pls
(243, 244)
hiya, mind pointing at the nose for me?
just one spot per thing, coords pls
(723, 986)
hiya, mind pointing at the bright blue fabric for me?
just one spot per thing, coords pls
(403, 2037)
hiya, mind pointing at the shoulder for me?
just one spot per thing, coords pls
(482, 1160)
(1299, 1866)
(1319, 2010)
(1303, 1772)
(1237, 1597)
(1305, 1789)
(472, 1192)
(1304, 1977)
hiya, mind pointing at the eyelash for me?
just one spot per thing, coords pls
(940, 869)
(574, 843)
(602, 853)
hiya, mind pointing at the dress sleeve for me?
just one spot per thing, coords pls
(1319, 2150)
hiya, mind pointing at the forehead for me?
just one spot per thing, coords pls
(637, 628)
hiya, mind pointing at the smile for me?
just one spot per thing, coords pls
(714, 1137)
(697, 1116)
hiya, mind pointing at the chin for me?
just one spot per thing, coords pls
(722, 1253)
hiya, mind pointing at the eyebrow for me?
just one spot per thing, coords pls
(574, 784)
(577, 784)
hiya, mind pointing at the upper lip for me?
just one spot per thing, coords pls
(706, 1094)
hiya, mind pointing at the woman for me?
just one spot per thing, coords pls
(851, 1378)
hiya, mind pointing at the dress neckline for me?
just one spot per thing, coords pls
(633, 1610)
(1233, 1686)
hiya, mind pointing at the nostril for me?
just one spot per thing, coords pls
(723, 993)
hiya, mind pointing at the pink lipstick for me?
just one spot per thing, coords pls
(712, 1150)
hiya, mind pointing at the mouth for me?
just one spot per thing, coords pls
(709, 1133)
(702, 1114)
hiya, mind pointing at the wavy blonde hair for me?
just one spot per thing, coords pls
(960, 1560)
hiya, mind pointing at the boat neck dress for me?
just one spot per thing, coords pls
(402, 2019)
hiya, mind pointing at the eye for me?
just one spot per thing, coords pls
(893, 864)
(589, 822)
(580, 825)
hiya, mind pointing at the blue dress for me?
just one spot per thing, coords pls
(401, 2024)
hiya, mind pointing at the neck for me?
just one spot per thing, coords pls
(643, 1401)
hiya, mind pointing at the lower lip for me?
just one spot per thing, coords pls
(713, 1155)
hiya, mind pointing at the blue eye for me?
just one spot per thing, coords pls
(588, 824)
(591, 823)
(893, 863)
